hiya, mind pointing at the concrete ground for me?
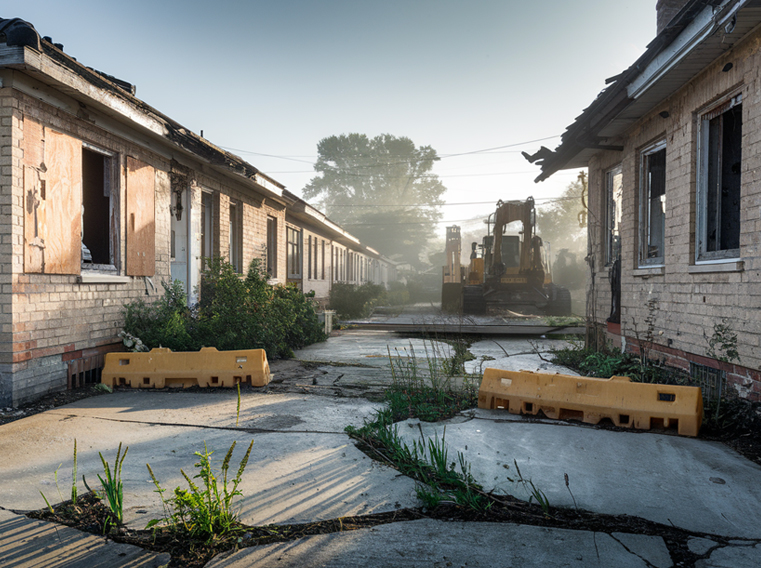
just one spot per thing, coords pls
(305, 468)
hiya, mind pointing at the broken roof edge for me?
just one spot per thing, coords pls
(22, 35)
(614, 98)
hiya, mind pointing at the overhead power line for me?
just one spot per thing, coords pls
(383, 164)
(492, 202)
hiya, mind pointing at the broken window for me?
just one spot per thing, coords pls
(235, 237)
(652, 219)
(718, 187)
(98, 231)
(272, 247)
(614, 197)
(293, 243)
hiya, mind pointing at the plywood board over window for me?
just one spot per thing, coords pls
(141, 223)
(52, 200)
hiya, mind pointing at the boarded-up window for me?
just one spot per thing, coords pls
(52, 201)
(141, 240)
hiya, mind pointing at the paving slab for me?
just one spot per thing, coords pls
(274, 411)
(306, 471)
(360, 366)
(694, 484)
(28, 543)
(732, 557)
(430, 543)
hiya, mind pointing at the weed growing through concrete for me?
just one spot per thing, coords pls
(427, 462)
(534, 493)
(429, 393)
(73, 482)
(204, 511)
(113, 489)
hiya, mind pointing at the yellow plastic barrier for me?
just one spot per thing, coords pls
(208, 367)
(626, 404)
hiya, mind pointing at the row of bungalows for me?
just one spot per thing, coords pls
(104, 198)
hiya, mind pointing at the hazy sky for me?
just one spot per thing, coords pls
(275, 76)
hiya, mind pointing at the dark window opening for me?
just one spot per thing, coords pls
(96, 208)
(207, 226)
(722, 191)
(272, 247)
(653, 219)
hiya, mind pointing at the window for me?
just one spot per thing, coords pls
(98, 235)
(235, 237)
(718, 187)
(322, 260)
(207, 225)
(652, 209)
(293, 239)
(309, 257)
(614, 197)
(272, 247)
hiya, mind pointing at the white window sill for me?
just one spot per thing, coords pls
(102, 278)
(709, 267)
(648, 271)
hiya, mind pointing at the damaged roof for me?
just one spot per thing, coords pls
(700, 33)
(17, 33)
(119, 99)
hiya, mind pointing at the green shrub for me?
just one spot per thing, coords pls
(233, 313)
(398, 294)
(351, 301)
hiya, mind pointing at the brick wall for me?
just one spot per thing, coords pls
(690, 303)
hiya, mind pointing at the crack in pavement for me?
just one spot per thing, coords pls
(627, 549)
(204, 426)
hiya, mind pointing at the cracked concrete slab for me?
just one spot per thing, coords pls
(663, 478)
(294, 475)
(274, 411)
(434, 543)
(700, 546)
(653, 550)
(37, 544)
(732, 557)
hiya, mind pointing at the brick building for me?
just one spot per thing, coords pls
(103, 198)
(673, 147)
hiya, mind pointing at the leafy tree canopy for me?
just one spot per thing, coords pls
(379, 189)
(562, 224)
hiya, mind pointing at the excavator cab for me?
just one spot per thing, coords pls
(511, 272)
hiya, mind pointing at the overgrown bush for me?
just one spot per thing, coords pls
(351, 301)
(398, 294)
(233, 313)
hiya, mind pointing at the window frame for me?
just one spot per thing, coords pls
(704, 119)
(645, 224)
(111, 187)
(207, 224)
(293, 251)
(272, 246)
(236, 235)
(613, 207)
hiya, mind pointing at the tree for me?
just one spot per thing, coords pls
(562, 224)
(379, 189)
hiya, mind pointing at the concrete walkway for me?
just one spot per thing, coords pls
(304, 468)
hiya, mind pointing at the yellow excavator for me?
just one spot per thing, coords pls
(506, 272)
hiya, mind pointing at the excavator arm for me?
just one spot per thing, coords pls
(506, 213)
